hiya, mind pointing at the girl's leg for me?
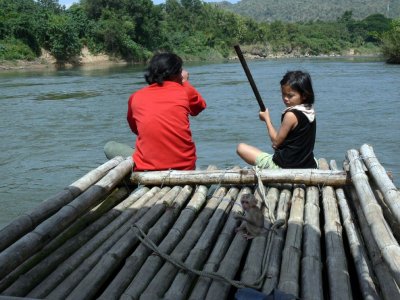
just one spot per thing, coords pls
(248, 153)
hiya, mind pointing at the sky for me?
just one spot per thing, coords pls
(68, 3)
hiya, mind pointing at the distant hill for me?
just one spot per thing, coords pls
(311, 10)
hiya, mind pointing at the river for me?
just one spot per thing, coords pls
(54, 123)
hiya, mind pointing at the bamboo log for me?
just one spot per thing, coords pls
(228, 268)
(338, 275)
(290, 267)
(14, 298)
(37, 267)
(386, 282)
(278, 240)
(202, 285)
(27, 221)
(382, 180)
(388, 245)
(111, 260)
(156, 233)
(67, 275)
(150, 267)
(181, 251)
(387, 213)
(168, 271)
(254, 265)
(243, 176)
(183, 281)
(18, 252)
(137, 259)
(311, 265)
(358, 251)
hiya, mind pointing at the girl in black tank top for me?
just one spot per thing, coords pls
(294, 141)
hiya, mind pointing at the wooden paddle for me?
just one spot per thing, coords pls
(249, 77)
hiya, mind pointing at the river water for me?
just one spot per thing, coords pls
(54, 123)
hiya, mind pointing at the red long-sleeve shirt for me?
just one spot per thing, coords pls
(159, 116)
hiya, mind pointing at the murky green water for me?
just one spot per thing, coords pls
(54, 124)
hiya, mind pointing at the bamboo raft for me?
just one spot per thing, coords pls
(114, 234)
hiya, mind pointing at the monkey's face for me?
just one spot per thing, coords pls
(245, 204)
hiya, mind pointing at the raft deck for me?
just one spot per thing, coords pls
(114, 234)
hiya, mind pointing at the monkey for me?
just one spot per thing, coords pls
(253, 218)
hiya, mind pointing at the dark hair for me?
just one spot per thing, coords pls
(301, 82)
(163, 67)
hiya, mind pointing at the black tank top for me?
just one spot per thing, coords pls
(297, 149)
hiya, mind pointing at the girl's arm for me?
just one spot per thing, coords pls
(288, 123)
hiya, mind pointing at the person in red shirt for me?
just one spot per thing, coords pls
(159, 115)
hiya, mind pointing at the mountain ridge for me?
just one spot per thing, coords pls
(311, 10)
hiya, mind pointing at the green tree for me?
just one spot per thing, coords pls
(124, 29)
(62, 38)
(391, 43)
(18, 20)
(374, 26)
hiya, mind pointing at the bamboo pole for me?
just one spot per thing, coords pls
(111, 260)
(290, 267)
(32, 242)
(228, 268)
(254, 265)
(278, 240)
(66, 276)
(27, 221)
(311, 264)
(149, 268)
(156, 233)
(14, 298)
(243, 176)
(181, 285)
(386, 282)
(387, 244)
(37, 267)
(387, 213)
(338, 275)
(137, 259)
(182, 249)
(167, 273)
(358, 251)
(382, 180)
(202, 285)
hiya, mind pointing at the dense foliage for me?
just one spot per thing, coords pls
(133, 30)
(311, 10)
(391, 43)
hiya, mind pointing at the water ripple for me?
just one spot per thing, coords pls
(68, 95)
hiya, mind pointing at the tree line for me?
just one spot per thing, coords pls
(134, 30)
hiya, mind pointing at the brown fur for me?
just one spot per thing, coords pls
(253, 218)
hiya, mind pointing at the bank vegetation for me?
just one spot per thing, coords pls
(133, 30)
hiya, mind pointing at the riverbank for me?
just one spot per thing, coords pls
(47, 61)
(87, 59)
